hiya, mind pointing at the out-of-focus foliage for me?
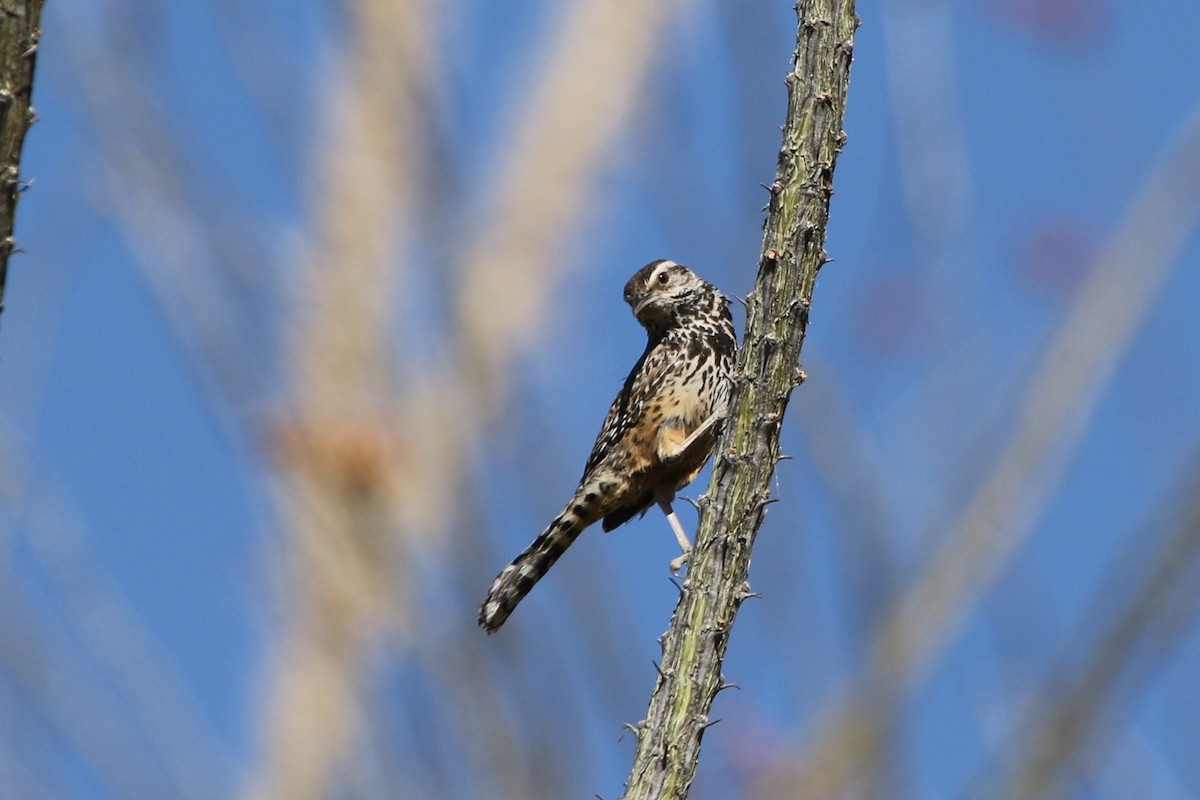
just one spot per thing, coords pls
(319, 309)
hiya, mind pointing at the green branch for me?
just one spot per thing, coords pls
(731, 511)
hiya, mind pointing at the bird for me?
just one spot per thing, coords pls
(658, 433)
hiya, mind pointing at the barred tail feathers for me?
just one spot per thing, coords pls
(519, 577)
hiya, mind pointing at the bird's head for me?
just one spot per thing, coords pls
(660, 291)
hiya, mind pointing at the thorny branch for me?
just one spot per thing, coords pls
(668, 746)
(19, 32)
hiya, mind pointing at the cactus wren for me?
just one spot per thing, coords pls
(658, 433)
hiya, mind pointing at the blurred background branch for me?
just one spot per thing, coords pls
(1148, 607)
(1053, 417)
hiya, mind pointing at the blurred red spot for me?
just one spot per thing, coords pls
(355, 454)
(1057, 22)
(895, 315)
(1055, 256)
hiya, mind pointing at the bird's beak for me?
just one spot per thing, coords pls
(639, 304)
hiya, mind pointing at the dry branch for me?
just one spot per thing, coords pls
(777, 315)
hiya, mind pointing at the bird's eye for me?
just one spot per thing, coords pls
(663, 277)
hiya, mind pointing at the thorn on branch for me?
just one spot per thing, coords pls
(746, 594)
(799, 307)
(724, 684)
(768, 422)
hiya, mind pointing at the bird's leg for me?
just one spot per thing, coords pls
(667, 496)
(664, 502)
(704, 428)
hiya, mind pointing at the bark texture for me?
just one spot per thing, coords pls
(19, 33)
(731, 511)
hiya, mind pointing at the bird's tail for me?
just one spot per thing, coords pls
(519, 577)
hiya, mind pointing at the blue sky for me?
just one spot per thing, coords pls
(996, 147)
